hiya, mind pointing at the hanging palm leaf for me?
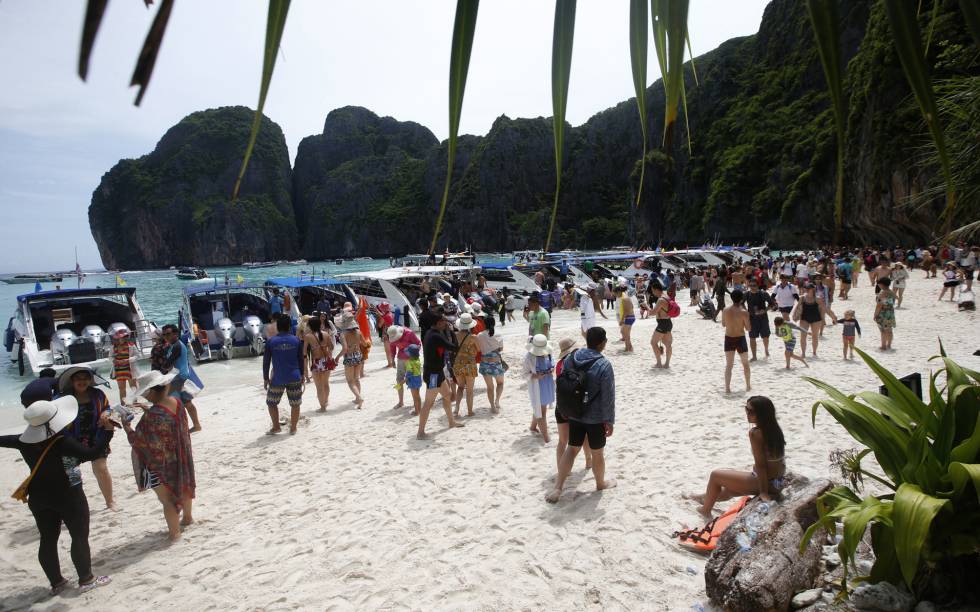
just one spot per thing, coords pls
(459, 64)
(561, 69)
(670, 35)
(824, 20)
(93, 19)
(275, 24)
(151, 47)
(638, 61)
(908, 45)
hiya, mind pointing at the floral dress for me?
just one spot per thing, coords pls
(886, 316)
(162, 451)
(464, 364)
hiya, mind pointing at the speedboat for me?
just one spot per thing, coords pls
(305, 292)
(251, 265)
(225, 321)
(25, 279)
(70, 327)
(191, 274)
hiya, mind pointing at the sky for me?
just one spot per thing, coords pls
(59, 135)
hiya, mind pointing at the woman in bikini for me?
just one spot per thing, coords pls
(663, 337)
(810, 312)
(318, 347)
(768, 455)
(464, 363)
(351, 341)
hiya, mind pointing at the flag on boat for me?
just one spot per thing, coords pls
(120, 282)
(240, 280)
(37, 287)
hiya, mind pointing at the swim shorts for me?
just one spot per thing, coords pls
(578, 431)
(352, 359)
(789, 346)
(321, 365)
(629, 320)
(293, 391)
(413, 381)
(737, 344)
(664, 326)
(759, 326)
(177, 389)
(434, 380)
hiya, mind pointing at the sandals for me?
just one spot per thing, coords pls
(97, 582)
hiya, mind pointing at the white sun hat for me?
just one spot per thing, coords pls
(465, 321)
(45, 419)
(145, 382)
(395, 332)
(477, 309)
(539, 346)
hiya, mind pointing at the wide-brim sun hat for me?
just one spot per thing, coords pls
(395, 332)
(565, 346)
(47, 418)
(465, 322)
(539, 346)
(149, 380)
(348, 321)
(64, 380)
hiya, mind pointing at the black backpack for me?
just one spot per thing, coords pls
(570, 388)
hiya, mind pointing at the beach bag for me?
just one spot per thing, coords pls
(570, 387)
(706, 538)
(673, 309)
(21, 492)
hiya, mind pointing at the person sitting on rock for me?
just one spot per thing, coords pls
(768, 452)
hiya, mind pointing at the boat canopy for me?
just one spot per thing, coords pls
(72, 293)
(215, 288)
(390, 274)
(303, 281)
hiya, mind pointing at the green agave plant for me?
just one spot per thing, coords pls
(929, 454)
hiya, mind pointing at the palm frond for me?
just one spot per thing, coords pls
(94, 12)
(561, 69)
(151, 47)
(638, 61)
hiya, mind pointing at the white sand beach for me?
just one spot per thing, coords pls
(355, 513)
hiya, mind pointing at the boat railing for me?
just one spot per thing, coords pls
(144, 335)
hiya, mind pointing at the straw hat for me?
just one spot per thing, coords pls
(64, 380)
(465, 321)
(539, 346)
(145, 382)
(565, 346)
(348, 321)
(46, 418)
(395, 332)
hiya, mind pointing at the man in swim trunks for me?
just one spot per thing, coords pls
(626, 316)
(735, 318)
(434, 348)
(284, 352)
(758, 304)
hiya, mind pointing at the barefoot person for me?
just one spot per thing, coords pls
(492, 367)
(319, 346)
(736, 321)
(54, 493)
(664, 334)
(565, 347)
(884, 314)
(284, 352)
(851, 328)
(351, 341)
(122, 367)
(758, 304)
(810, 312)
(162, 457)
(464, 362)
(78, 381)
(589, 305)
(434, 347)
(177, 355)
(626, 316)
(768, 450)
(399, 339)
(599, 415)
(784, 330)
(539, 369)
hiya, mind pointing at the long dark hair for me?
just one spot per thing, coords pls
(314, 326)
(765, 419)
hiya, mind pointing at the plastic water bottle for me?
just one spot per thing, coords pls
(744, 541)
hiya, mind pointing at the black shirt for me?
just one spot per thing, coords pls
(51, 482)
(427, 319)
(434, 358)
(758, 302)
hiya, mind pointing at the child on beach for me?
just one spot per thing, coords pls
(413, 375)
(122, 369)
(784, 330)
(851, 326)
(540, 368)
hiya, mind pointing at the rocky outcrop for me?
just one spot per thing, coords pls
(172, 207)
(757, 566)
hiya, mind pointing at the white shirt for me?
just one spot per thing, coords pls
(785, 295)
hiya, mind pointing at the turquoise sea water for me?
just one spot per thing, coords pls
(158, 292)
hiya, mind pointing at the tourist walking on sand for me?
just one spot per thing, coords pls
(768, 456)
(54, 491)
(492, 367)
(851, 329)
(162, 456)
(122, 366)
(625, 316)
(539, 369)
(464, 362)
(566, 347)
(884, 314)
(718, 292)
(434, 348)
(899, 277)
(400, 338)
(784, 330)
(319, 347)
(696, 286)
(758, 304)
(609, 294)
(810, 313)
(951, 280)
(735, 318)
(78, 382)
(599, 415)
(845, 271)
(663, 337)
(285, 354)
(589, 305)
(351, 342)
(538, 319)
(177, 355)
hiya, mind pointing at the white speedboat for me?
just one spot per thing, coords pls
(225, 321)
(70, 327)
(305, 292)
(30, 279)
(191, 274)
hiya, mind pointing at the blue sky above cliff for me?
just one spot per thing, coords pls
(59, 135)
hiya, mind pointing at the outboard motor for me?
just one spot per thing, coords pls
(226, 334)
(253, 333)
(97, 336)
(61, 339)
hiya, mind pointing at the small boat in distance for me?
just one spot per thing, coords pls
(339, 262)
(363, 259)
(24, 279)
(251, 265)
(191, 274)
(297, 262)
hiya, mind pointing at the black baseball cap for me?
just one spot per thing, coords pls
(38, 390)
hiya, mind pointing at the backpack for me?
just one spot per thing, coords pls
(673, 309)
(570, 387)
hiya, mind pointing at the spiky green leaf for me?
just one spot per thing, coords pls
(561, 70)
(151, 48)
(912, 517)
(638, 64)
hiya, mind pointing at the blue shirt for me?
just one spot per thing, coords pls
(284, 352)
(275, 304)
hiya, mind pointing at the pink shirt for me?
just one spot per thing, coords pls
(408, 338)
